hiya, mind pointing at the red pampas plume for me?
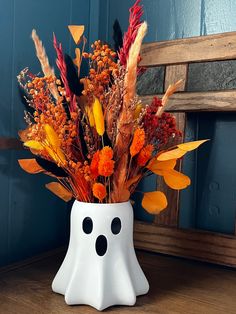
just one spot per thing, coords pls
(136, 12)
(61, 64)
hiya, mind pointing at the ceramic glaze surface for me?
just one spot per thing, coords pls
(100, 268)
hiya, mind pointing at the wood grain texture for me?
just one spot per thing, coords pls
(199, 101)
(193, 49)
(169, 216)
(176, 286)
(175, 73)
(194, 244)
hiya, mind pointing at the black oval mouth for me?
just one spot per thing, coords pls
(101, 245)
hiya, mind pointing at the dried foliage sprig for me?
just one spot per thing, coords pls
(101, 144)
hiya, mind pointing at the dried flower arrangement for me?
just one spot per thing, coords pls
(98, 139)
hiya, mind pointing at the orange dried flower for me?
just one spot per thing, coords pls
(145, 154)
(138, 142)
(106, 167)
(94, 165)
(99, 191)
(106, 152)
(106, 164)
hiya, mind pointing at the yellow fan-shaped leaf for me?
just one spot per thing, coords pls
(76, 32)
(60, 191)
(34, 145)
(98, 116)
(191, 145)
(159, 167)
(51, 136)
(171, 154)
(30, 166)
(154, 202)
(176, 180)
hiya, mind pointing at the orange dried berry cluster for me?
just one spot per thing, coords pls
(56, 117)
(102, 65)
(39, 91)
(80, 168)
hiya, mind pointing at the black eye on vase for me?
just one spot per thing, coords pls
(116, 225)
(87, 225)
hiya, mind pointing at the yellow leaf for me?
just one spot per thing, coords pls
(34, 145)
(154, 202)
(176, 180)
(30, 166)
(132, 181)
(171, 154)
(137, 111)
(90, 115)
(76, 32)
(51, 136)
(159, 167)
(60, 191)
(98, 117)
(57, 155)
(191, 145)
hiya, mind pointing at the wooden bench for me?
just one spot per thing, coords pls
(164, 234)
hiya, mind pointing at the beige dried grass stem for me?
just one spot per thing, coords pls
(169, 92)
(43, 59)
(132, 64)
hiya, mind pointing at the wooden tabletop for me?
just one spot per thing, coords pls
(176, 286)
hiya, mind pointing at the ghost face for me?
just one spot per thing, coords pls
(100, 267)
(101, 243)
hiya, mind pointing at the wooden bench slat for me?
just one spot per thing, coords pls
(170, 216)
(199, 101)
(195, 244)
(189, 50)
(10, 143)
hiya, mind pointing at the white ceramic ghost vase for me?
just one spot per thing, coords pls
(100, 268)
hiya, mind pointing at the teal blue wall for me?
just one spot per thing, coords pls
(32, 220)
(201, 205)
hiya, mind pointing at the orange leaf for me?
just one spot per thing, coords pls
(77, 60)
(191, 145)
(154, 202)
(59, 190)
(30, 166)
(124, 195)
(76, 32)
(171, 154)
(159, 167)
(176, 180)
(132, 181)
(23, 135)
